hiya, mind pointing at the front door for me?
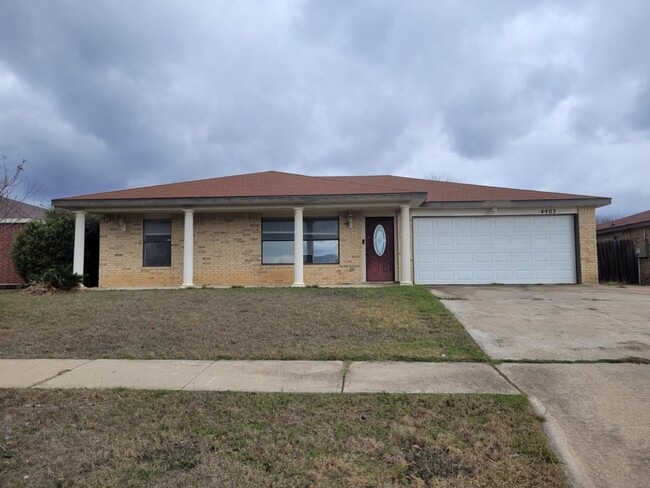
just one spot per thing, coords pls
(380, 250)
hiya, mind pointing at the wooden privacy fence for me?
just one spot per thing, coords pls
(617, 261)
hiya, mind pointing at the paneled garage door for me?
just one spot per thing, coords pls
(483, 250)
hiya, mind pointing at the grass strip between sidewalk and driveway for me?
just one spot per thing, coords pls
(388, 323)
(154, 438)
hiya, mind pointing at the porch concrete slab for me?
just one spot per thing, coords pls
(402, 377)
(23, 373)
(271, 376)
(597, 417)
(138, 374)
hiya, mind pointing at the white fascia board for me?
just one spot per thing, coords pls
(247, 209)
(478, 212)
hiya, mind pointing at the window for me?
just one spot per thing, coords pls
(157, 243)
(277, 242)
(320, 241)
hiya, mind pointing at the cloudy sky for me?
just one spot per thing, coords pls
(550, 95)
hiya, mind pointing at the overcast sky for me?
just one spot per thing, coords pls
(549, 95)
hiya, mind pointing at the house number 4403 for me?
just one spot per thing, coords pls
(549, 211)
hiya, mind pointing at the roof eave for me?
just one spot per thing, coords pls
(414, 198)
(578, 202)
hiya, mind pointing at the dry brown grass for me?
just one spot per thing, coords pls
(149, 438)
(406, 323)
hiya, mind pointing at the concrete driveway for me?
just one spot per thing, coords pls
(554, 322)
(597, 415)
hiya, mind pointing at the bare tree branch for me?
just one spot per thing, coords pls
(15, 188)
(442, 176)
(606, 219)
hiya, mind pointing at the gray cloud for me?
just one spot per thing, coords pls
(550, 95)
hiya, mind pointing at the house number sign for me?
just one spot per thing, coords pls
(379, 240)
(549, 211)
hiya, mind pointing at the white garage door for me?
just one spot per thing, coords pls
(483, 250)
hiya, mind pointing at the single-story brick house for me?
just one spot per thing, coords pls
(635, 228)
(13, 215)
(276, 228)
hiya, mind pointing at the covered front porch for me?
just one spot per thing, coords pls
(227, 246)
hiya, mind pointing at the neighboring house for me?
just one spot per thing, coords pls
(239, 230)
(13, 215)
(635, 228)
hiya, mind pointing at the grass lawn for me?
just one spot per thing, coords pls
(406, 323)
(149, 438)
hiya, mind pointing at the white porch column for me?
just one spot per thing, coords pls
(405, 245)
(188, 248)
(297, 248)
(79, 242)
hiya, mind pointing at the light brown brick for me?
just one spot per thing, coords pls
(227, 251)
(587, 245)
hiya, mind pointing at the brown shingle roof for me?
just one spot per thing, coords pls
(275, 184)
(636, 220)
(266, 184)
(442, 191)
(13, 209)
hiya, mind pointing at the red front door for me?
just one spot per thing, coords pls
(380, 251)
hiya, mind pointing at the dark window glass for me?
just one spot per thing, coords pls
(320, 241)
(321, 252)
(277, 252)
(157, 243)
(277, 230)
(321, 230)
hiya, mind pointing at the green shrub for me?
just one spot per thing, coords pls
(43, 248)
(42, 245)
(59, 277)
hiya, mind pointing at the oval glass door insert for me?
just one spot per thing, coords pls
(379, 240)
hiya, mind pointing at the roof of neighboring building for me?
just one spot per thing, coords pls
(279, 184)
(13, 209)
(640, 219)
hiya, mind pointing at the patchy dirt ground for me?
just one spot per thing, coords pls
(150, 438)
(264, 323)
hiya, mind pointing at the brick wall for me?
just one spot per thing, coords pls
(227, 251)
(120, 255)
(8, 275)
(637, 236)
(587, 245)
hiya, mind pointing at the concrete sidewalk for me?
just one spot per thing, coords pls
(597, 418)
(255, 376)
